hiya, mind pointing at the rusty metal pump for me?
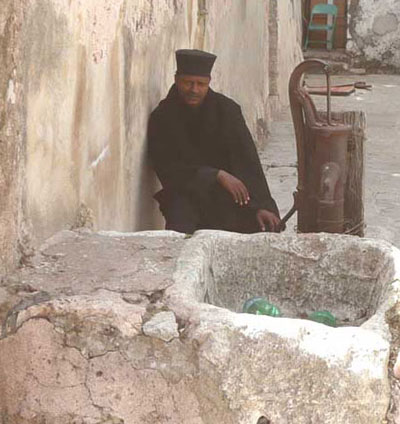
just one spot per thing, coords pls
(322, 155)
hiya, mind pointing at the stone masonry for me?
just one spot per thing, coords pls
(144, 328)
(374, 30)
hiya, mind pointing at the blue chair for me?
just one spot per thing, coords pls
(324, 10)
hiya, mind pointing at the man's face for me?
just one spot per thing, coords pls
(192, 89)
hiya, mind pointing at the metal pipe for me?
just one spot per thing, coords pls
(328, 97)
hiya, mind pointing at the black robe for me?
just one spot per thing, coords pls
(188, 146)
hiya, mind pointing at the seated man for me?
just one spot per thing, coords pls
(205, 157)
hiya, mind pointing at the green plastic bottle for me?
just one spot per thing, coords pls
(261, 306)
(323, 317)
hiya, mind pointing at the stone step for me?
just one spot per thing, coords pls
(323, 54)
(340, 61)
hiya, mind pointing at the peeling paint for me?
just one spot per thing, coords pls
(12, 142)
(11, 96)
(375, 33)
(102, 156)
(385, 24)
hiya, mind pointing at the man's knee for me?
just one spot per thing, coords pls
(179, 211)
(231, 216)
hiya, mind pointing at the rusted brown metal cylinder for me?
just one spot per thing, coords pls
(329, 177)
(322, 154)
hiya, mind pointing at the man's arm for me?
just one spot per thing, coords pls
(245, 163)
(234, 187)
(267, 220)
(175, 168)
(246, 166)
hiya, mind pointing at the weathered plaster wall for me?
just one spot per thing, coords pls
(11, 134)
(93, 70)
(238, 33)
(256, 55)
(288, 46)
(375, 32)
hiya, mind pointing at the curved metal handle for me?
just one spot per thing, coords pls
(303, 109)
(295, 88)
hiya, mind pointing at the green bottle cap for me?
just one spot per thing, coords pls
(323, 317)
(261, 306)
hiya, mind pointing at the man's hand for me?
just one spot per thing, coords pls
(233, 186)
(268, 220)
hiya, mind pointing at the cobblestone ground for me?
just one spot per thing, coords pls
(382, 167)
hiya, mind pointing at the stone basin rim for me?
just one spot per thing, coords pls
(192, 260)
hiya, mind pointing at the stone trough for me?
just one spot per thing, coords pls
(153, 333)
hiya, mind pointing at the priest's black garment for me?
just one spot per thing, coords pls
(188, 146)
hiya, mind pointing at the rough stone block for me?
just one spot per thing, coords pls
(162, 326)
(182, 352)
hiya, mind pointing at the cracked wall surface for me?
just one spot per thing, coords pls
(285, 26)
(375, 33)
(77, 86)
(11, 134)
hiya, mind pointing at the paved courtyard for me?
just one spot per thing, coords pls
(382, 167)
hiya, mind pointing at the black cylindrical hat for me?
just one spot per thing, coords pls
(194, 62)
